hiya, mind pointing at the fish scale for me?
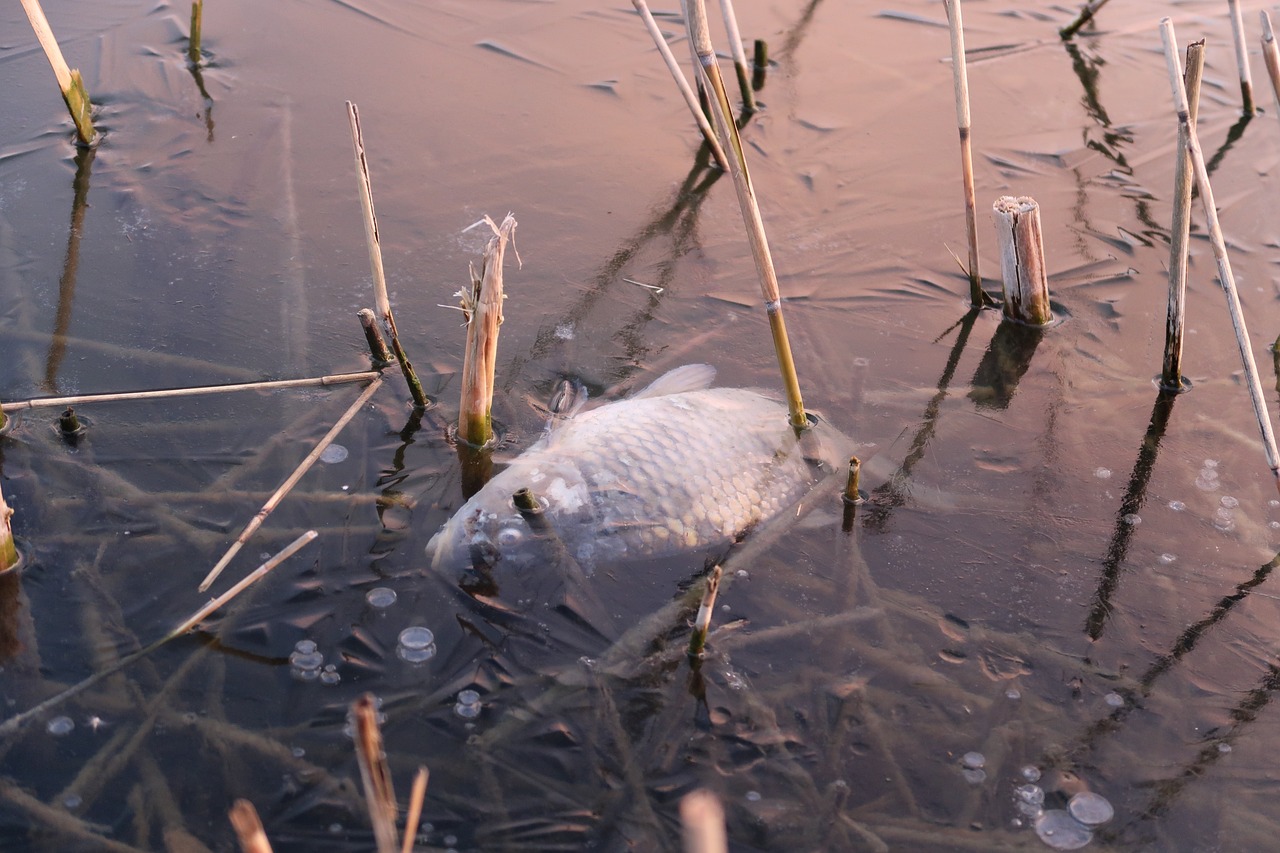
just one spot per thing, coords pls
(677, 467)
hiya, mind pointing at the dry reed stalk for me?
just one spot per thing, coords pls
(702, 622)
(1022, 268)
(8, 550)
(377, 346)
(69, 82)
(193, 42)
(51, 402)
(761, 64)
(722, 113)
(739, 55)
(374, 774)
(381, 301)
(1086, 15)
(248, 827)
(1242, 57)
(960, 78)
(482, 306)
(1269, 53)
(415, 808)
(702, 818)
(686, 91)
(851, 498)
(1225, 277)
(303, 467)
(1180, 232)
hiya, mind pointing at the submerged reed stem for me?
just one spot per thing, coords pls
(1180, 232)
(70, 84)
(1225, 277)
(722, 114)
(482, 305)
(248, 828)
(702, 622)
(960, 77)
(1242, 57)
(375, 774)
(381, 300)
(416, 796)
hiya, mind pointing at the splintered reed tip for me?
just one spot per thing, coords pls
(74, 94)
(702, 622)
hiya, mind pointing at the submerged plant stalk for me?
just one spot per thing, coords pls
(1180, 232)
(702, 819)
(482, 304)
(248, 827)
(415, 809)
(379, 795)
(722, 113)
(702, 622)
(70, 84)
(960, 77)
(1225, 277)
(1242, 57)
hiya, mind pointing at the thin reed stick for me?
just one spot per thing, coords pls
(1225, 277)
(74, 94)
(15, 722)
(704, 99)
(686, 91)
(381, 301)
(279, 494)
(377, 346)
(722, 114)
(379, 795)
(702, 819)
(1271, 55)
(761, 64)
(1242, 57)
(1085, 16)
(960, 77)
(702, 622)
(482, 305)
(199, 390)
(739, 55)
(1180, 232)
(197, 24)
(248, 827)
(8, 549)
(415, 809)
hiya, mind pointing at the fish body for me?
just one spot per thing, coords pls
(677, 467)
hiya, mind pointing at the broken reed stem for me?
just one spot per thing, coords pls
(74, 94)
(377, 346)
(8, 549)
(702, 820)
(761, 65)
(702, 622)
(1022, 267)
(193, 42)
(1242, 57)
(722, 113)
(1225, 277)
(686, 91)
(374, 774)
(1085, 16)
(739, 55)
(382, 302)
(248, 828)
(482, 305)
(1269, 53)
(416, 797)
(961, 81)
(279, 494)
(52, 402)
(1180, 232)
(15, 722)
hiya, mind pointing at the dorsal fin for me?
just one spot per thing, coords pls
(690, 377)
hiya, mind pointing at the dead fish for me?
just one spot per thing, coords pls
(676, 467)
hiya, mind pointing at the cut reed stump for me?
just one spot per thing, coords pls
(1242, 57)
(702, 622)
(760, 65)
(1272, 56)
(1021, 244)
(482, 306)
(977, 297)
(1225, 276)
(72, 87)
(8, 549)
(197, 22)
(378, 351)
(1180, 232)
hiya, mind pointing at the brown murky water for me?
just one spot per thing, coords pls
(1057, 570)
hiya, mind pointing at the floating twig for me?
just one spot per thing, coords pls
(739, 55)
(702, 622)
(977, 297)
(722, 113)
(1225, 277)
(1242, 57)
(1180, 232)
(73, 92)
(288, 484)
(702, 818)
(482, 305)
(54, 402)
(374, 244)
(248, 827)
(1271, 55)
(686, 91)
(374, 774)
(1086, 15)
(1022, 268)
(377, 346)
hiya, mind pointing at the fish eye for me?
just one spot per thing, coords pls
(509, 536)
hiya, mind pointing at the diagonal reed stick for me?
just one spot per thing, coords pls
(72, 87)
(1271, 55)
(1180, 231)
(686, 91)
(415, 809)
(722, 115)
(1086, 15)
(199, 390)
(381, 301)
(739, 55)
(1225, 277)
(288, 484)
(379, 795)
(977, 297)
